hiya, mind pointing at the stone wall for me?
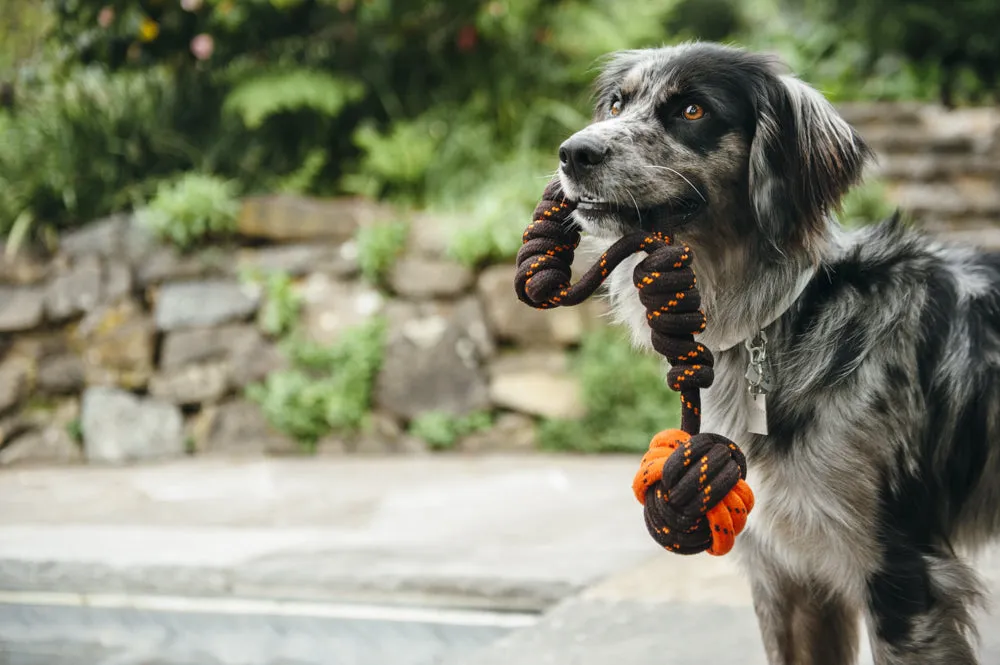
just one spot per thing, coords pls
(942, 167)
(119, 348)
(143, 352)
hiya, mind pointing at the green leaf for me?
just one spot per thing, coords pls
(260, 97)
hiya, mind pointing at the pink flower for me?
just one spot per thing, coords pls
(106, 17)
(202, 46)
(467, 38)
(191, 5)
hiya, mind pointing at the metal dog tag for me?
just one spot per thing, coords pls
(757, 417)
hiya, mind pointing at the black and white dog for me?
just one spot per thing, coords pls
(882, 451)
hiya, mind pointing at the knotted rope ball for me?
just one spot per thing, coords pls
(692, 485)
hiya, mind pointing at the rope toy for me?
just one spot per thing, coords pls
(692, 485)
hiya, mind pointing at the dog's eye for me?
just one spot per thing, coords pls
(616, 107)
(693, 112)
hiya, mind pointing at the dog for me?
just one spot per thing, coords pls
(878, 466)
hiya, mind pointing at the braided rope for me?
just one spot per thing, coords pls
(696, 500)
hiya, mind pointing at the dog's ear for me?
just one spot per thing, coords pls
(803, 158)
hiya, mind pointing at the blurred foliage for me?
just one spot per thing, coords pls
(328, 388)
(865, 204)
(452, 104)
(279, 312)
(194, 208)
(625, 397)
(953, 45)
(378, 247)
(442, 431)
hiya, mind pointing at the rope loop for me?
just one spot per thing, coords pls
(692, 485)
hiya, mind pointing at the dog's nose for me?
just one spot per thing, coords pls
(580, 153)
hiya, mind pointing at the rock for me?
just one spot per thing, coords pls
(117, 344)
(117, 283)
(433, 362)
(16, 379)
(61, 374)
(552, 361)
(103, 237)
(74, 291)
(239, 427)
(895, 114)
(138, 242)
(289, 218)
(513, 321)
(165, 264)
(191, 384)
(49, 445)
(204, 303)
(246, 353)
(420, 278)
(330, 306)
(380, 436)
(300, 259)
(333, 446)
(21, 308)
(512, 432)
(961, 197)
(253, 365)
(184, 347)
(535, 382)
(23, 268)
(39, 346)
(120, 427)
(539, 393)
(431, 232)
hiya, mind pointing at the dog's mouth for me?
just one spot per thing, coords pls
(671, 214)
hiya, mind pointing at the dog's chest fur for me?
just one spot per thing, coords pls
(814, 515)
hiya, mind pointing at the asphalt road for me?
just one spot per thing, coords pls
(178, 632)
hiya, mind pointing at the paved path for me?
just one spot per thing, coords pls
(670, 611)
(175, 564)
(519, 531)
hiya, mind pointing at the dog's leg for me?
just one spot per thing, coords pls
(803, 623)
(919, 608)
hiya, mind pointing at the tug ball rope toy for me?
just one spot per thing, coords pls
(692, 485)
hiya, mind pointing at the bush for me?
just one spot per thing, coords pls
(378, 247)
(441, 431)
(279, 313)
(77, 149)
(865, 204)
(625, 396)
(328, 389)
(192, 209)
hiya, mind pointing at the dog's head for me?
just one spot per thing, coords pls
(710, 142)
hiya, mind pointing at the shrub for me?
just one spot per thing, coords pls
(78, 149)
(192, 209)
(625, 396)
(865, 204)
(441, 431)
(279, 313)
(328, 388)
(378, 247)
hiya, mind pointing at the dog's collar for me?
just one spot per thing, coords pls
(800, 285)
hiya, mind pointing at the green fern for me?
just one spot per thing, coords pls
(195, 207)
(260, 97)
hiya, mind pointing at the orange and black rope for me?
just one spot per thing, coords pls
(696, 500)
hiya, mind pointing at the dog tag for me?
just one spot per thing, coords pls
(757, 417)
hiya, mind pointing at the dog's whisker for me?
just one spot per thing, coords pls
(680, 175)
(636, 204)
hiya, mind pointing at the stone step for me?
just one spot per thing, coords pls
(924, 168)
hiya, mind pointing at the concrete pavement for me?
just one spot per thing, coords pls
(519, 532)
(396, 561)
